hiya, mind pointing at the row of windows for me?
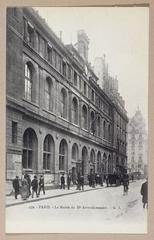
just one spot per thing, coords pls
(35, 40)
(30, 150)
(63, 105)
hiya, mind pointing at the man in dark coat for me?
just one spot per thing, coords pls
(144, 193)
(34, 184)
(62, 181)
(68, 181)
(125, 183)
(78, 182)
(82, 182)
(16, 186)
(41, 185)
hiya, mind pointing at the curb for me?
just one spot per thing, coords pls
(49, 197)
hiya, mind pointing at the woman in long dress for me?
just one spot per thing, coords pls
(24, 189)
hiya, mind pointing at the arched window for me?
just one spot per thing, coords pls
(92, 161)
(63, 103)
(84, 163)
(75, 153)
(99, 126)
(47, 152)
(109, 132)
(84, 117)
(75, 111)
(92, 122)
(92, 156)
(29, 156)
(104, 129)
(98, 162)
(109, 164)
(28, 82)
(105, 163)
(62, 155)
(48, 94)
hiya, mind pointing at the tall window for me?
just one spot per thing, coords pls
(92, 156)
(75, 152)
(104, 129)
(48, 91)
(53, 57)
(85, 88)
(30, 34)
(98, 126)
(49, 54)
(92, 95)
(69, 72)
(28, 82)
(92, 122)
(64, 68)
(62, 154)
(75, 79)
(109, 164)
(29, 149)
(84, 117)
(47, 153)
(58, 62)
(41, 46)
(109, 132)
(99, 162)
(75, 111)
(80, 83)
(14, 132)
(63, 103)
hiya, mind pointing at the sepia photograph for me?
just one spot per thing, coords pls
(77, 119)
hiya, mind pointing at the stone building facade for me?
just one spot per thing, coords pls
(58, 118)
(137, 144)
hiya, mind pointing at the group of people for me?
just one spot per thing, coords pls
(79, 181)
(27, 188)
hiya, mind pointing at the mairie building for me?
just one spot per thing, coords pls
(58, 118)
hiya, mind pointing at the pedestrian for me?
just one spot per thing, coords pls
(90, 180)
(125, 183)
(62, 181)
(144, 193)
(24, 188)
(34, 185)
(93, 180)
(29, 183)
(41, 185)
(101, 180)
(78, 182)
(82, 182)
(132, 177)
(107, 180)
(68, 181)
(16, 186)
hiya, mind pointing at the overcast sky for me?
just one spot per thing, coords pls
(122, 33)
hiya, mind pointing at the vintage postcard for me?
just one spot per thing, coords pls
(77, 119)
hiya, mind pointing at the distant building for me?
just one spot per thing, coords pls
(58, 118)
(137, 144)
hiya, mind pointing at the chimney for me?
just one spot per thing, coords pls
(82, 44)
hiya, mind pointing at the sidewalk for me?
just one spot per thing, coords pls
(53, 193)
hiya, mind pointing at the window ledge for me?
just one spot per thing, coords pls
(48, 111)
(64, 119)
(85, 130)
(32, 103)
(75, 125)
